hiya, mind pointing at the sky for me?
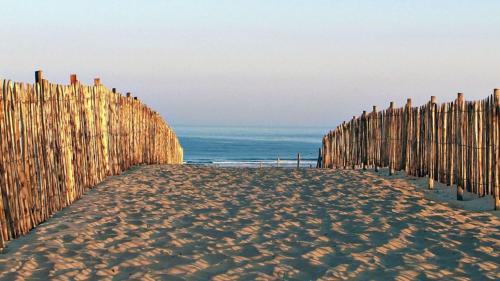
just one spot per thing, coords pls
(259, 62)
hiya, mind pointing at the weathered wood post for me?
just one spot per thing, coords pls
(391, 139)
(114, 92)
(409, 137)
(363, 141)
(376, 148)
(128, 95)
(97, 81)
(318, 164)
(298, 160)
(73, 79)
(432, 152)
(325, 151)
(38, 76)
(496, 148)
(354, 145)
(461, 148)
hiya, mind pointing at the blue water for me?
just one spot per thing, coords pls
(248, 146)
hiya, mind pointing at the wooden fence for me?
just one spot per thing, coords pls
(57, 141)
(453, 143)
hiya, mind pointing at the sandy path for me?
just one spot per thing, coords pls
(205, 223)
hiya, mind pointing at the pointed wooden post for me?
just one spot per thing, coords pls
(97, 81)
(128, 95)
(298, 160)
(113, 90)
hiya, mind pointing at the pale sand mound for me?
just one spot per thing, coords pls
(206, 223)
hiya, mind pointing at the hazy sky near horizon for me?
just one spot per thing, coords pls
(256, 62)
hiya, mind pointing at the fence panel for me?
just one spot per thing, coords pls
(57, 141)
(453, 143)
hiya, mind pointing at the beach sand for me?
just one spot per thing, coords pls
(207, 223)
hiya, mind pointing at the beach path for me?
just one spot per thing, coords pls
(168, 222)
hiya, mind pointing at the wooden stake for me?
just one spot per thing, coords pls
(460, 193)
(298, 160)
(38, 76)
(376, 140)
(319, 163)
(408, 136)
(73, 79)
(496, 148)
(432, 140)
(391, 138)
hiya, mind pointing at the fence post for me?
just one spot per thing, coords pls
(461, 148)
(363, 141)
(354, 144)
(97, 81)
(38, 76)
(496, 148)
(409, 136)
(391, 138)
(73, 79)
(298, 160)
(320, 160)
(375, 141)
(432, 152)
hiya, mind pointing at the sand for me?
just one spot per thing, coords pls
(208, 223)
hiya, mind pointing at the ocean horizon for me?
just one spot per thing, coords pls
(245, 146)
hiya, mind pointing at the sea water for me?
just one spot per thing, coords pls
(250, 146)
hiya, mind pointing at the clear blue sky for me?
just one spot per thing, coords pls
(267, 63)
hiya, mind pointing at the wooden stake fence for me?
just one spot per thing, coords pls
(453, 143)
(57, 141)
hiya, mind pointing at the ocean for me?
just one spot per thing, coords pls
(250, 146)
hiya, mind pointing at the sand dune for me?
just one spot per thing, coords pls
(207, 223)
